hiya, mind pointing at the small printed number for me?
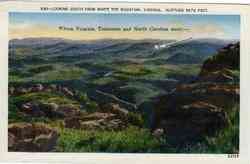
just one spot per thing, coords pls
(233, 155)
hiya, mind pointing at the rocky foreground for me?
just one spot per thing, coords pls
(27, 136)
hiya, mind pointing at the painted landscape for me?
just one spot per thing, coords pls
(124, 95)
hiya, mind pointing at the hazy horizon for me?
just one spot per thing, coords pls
(120, 39)
(44, 25)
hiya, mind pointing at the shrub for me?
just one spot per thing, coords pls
(130, 140)
(41, 69)
(135, 119)
(227, 141)
(13, 115)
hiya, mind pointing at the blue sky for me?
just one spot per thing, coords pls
(229, 23)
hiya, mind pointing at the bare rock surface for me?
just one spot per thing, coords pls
(26, 137)
(96, 120)
(50, 110)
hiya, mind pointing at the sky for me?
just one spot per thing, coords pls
(26, 25)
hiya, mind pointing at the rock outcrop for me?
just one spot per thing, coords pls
(96, 120)
(50, 110)
(191, 113)
(220, 76)
(200, 108)
(110, 117)
(114, 108)
(228, 58)
(26, 137)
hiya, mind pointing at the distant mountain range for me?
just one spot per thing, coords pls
(189, 52)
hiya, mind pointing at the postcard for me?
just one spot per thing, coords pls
(124, 82)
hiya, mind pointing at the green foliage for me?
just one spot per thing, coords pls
(60, 73)
(40, 69)
(90, 106)
(82, 97)
(48, 97)
(236, 74)
(20, 53)
(135, 119)
(227, 141)
(13, 114)
(16, 101)
(104, 80)
(130, 140)
(19, 72)
(18, 75)
(15, 78)
(135, 70)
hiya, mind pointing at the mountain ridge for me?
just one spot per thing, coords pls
(195, 50)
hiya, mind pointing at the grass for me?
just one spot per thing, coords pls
(135, 70)
(227, 141)
(22, 52)
(236, 73)
(13, 114)
(154, 72)
(15, 78)
(40, 69)
(46, 73)
(47, 97)
(104, 80)
(130, 140)
(66, 73)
